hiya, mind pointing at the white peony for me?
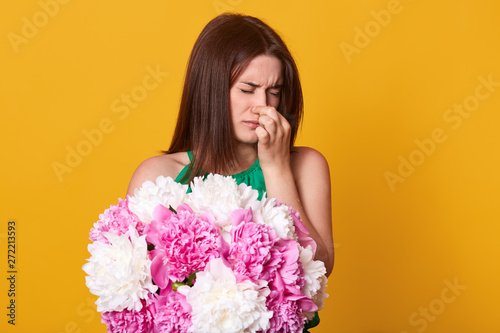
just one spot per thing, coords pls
(164, 191)
(277, 217)
(220, 304)
(319, 297)
(119, 272)
(315, 276)
(220, 196)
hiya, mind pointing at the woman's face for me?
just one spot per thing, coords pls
(258, 85)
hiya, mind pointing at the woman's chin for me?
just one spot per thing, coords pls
(247, 140)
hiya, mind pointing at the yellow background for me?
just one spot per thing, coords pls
(399, 246)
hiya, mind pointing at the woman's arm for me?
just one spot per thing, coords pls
(301, 180)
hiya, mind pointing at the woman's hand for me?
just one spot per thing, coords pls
(274, 138)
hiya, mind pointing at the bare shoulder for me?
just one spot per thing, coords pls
(162, 165)
(310, 172)
(308, 161)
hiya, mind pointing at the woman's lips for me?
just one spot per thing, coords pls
(251, 123)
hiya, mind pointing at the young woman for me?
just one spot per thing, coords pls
(239, 115)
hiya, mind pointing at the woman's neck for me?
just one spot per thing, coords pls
(246, 155)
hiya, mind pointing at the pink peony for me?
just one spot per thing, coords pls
(290, 269)
(287, 317)
(286, 300)
(184, 243)
(288, 304)
(129, 321)
(173, 313)
(302, 233)
(116, 219)
(252, 254)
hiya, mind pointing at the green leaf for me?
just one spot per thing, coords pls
(191, 279)
(311, 323)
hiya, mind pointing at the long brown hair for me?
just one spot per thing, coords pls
(223, 50)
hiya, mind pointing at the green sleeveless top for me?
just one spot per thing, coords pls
(252, 176)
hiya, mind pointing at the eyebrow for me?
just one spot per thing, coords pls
(255, 85)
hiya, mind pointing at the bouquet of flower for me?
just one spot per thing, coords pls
(212, 260)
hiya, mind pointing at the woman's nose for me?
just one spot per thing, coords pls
(261, 98)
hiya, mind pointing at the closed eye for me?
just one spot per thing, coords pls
(247, 91)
